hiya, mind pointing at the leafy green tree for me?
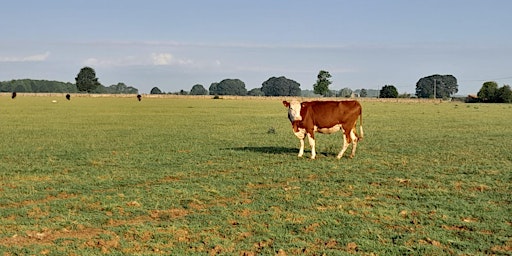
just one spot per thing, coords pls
(404, 95)
(131, 90)
(228, 87)
(20, 88)
(280, 86)
(100, 89)
(213, 88)
(117, 88)
(44, 88)
(5, 87)
(322, 83)
(29, 85)
(488, 92)
(198, 89)
(121, 88)
(15, 86)
(155, 90)
(86, 80)
(255, 92)
(345, 92)
(445, 86)
(363, 93)
(505, 94)
(388, 91)
(330, 93)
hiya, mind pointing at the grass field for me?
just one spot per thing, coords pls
(183, 176)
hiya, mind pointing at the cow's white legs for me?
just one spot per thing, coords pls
(312, 144)
(301, 134)
(345, 146)
(354, 138)
(301, 150)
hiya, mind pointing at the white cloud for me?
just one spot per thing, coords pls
(154, 59)
(115, 62)
(165, 59)
(30, 58)
(160, 59)
(92, 62)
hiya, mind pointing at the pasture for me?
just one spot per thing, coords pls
(185, 176)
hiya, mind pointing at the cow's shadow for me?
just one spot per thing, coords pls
(267, 150)
(278, 150)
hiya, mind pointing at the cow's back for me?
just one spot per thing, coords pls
(326, 114)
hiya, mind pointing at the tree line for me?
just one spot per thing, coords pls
(86, 81)
(492, 93)
(45, 86)
(28, 85)
(434, 86)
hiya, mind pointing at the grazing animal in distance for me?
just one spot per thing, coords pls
(139, 97)
(68, 97)
(13, 95)
(326, 117)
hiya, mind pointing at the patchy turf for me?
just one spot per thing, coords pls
(187, 176)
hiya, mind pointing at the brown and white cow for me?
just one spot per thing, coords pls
(325, 117)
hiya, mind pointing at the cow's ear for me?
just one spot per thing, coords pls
(286, 103)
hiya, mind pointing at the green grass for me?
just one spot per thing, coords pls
(202, 176)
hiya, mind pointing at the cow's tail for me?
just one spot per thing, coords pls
(361, 133)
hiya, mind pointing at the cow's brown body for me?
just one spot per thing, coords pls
(326, 117)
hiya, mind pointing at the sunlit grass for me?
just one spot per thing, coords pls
(184, 176)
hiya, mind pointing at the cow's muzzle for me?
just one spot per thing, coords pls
(293, 117)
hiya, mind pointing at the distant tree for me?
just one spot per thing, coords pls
(213, 88)
(370, 93)
(280, 86)
(363, 93)
(198, 89)
(155, 90)
(29, 85)
(131, 90)
(488, 92)
(44, 88)
(69, 87)
(117, 88)
(20, 88)
(505, 94)
(86, 80)
(404, 95)
(322, 83)
(491, 93)
(345, 92)
(308, 93)
(121, 88)
(100, 89)
(388, 91)
(445, 86)
(255, 92)
(228, 87)
(330, 93)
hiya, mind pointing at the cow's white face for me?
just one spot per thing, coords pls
(294, 111)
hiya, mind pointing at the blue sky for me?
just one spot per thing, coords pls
(176, 44)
